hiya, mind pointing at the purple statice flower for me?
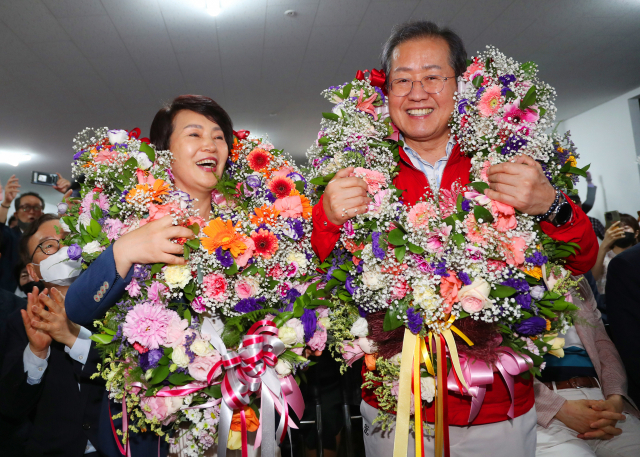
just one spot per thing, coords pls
(348, 149)
(329, 275)
(378, 252)
(270, 197)
(507, 79)
(513, 144)
(318, 162)
(440, 268)
(190, 338)
(290, 299)
(545, 169)
(414, 321)
(360, 268)
(464, 277)
(150, 359)
(380, 93)
(141, 271)
(520, 285)
(462, 105)
(297, 229)
(77, 155)
(246, 305)
(253, 181)
(362, 312)
(479, 93)
(123, 196)
(524, 300)
(309, 323)
(504, 91)
(74, 252)
(531, 326)
(351, 288)
(537, 259)
(466, 205)
(224, 257)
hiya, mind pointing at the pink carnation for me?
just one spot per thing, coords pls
(245, 288)
(319, 340)
(106, 155)
(374, 179)
(490, 102)
(201, 366)
(495, 266)
(112, 228)
(514, 251)
(215, 287)
(276, 272)
(475, 233)
(155, 292)
(176, 331)
(147, 324)
(242, 259)
(133, 288)
(399, 289)
(483, 172)
(504, 215)
(420, 214)
(289, 207)
(159, 211)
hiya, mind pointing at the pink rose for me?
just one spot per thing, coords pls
(352, 352)
(215, 286)
(176, 331)
(319, 340)
(471, 304)
(242, 259)
(504, 215)
(201, 366)
(296, 325)
(289, 207)
(160, 408)
(475, 296)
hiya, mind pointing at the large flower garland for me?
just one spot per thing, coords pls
(450, 257)
(171, 365)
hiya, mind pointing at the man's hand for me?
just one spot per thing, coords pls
(55, 321)
(613, 404)
(521, 184)
(613, 234)
(150, 244)
(345, 197)
(580, 416)
(39, 341)
(11, 190)
(62, 185)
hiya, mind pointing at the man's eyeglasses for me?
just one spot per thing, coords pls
(48, 247)
(29, 208)
(431, 84)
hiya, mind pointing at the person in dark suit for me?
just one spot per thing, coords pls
(623, 307)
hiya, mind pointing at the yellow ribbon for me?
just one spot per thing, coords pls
(401, 443)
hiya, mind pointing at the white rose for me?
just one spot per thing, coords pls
(360, 328)
(180, 357)
(373, 280)
(287, 335)
(92, 247)
(425, 296)
(201, 347)
(368, 346)
(428, 388)
(283, 368)
(143, 161)
(117, 136)
(325, 322)
(299, 258)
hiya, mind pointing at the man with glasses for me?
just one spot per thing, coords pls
(422, 62)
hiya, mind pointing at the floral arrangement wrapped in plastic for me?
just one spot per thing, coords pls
(450, 258)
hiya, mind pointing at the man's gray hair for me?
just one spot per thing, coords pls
(425, 29)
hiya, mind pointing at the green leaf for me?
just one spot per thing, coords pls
(113, 210)
(502, 291)
(102, 338)
(214, 391)
(148, 150)
(164, 360)
(391, 322)
(300, 186)
(186, 251)
(458, 239)
(346, 91)
(187, 315)
(396, 237)
(529, 99)
(459, 202)
(330, 285)
(159, 374)
(324, 140)
(233, 269)
(252, 270)
(400, 251)
(529, 69)
(319, 181)
(195, 228)
(415, 249)
(482, 213)
(331, 116)
(155, 269)
(281, 318)
(180, 379)
(94, 228)
(479, 186)
(298, 307)
(546, 312)
(340, 275)
(567, 168)
(193, 244)
(477, 81)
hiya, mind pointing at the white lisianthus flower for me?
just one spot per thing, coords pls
(143, 161)
(180, 357)
(298, 257)
(373, 280)
(325, 322)
(93, 247)
(360, 328)
(117, 136)
(287, 335)
(177, 276)
(201, 347)
(283, 368)
(428, 388)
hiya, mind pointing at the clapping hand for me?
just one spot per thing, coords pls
(53, 320)
(39, 340)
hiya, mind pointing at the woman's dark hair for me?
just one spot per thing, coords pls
(162, 125)
(629, 220)
(25, 255)
(425, 29)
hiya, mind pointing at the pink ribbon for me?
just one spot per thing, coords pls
(479, 375)
(395, 136)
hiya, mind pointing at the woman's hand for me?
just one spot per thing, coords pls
(345, 197)
(150, 244)
(613, 233)
(62, 185)
(55, 322)
(39, 341)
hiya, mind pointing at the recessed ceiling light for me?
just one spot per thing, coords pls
(290, 13)
(14, 158)
(213, 8)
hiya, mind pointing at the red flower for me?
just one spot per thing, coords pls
(266, 243)
(281, 186)
(259, 159)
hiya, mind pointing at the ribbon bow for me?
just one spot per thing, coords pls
(377, 78)
(135, 133)
(241, 134)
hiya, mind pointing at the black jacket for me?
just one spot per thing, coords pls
(623, 309)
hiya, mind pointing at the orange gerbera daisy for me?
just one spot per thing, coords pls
(265, 215)
(536, 272)
(306, 204)
(140, 193)
(222, 234)
(259, 159)
(159, 188)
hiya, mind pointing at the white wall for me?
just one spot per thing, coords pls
(605, 138)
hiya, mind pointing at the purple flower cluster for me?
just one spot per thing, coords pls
(537, 259)
(309, 323)
(150, 359)
(414, 321)
(462, 105)
(513, 144)
(246, 305)
(77, 155)
(524, 300)
(141, 271)
(74, 252)
(479, 93)
(464, 277)
(507, 79)
(466, 205)
(531, 326)
(378, 252)
(440, 268)
(297, 229)
(190, 338)
(520, 285)
(224, 257)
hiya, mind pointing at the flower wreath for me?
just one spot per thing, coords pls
(453, 258)
(171, 364)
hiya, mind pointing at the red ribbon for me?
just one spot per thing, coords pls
(377, 78)
(135, 133)
(241, 134)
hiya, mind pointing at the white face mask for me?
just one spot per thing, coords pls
(59, 269)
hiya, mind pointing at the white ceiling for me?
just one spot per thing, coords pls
(68, 64)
